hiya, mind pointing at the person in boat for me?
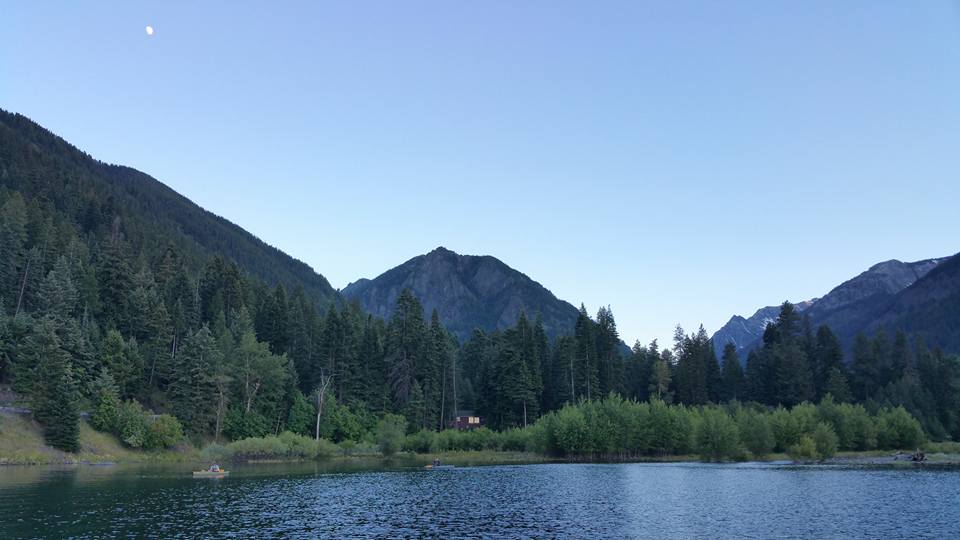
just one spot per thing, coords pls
(436, 462)
(214, 468)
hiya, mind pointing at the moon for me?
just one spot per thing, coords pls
(149, 30)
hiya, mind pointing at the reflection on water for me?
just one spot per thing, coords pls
(354, 498)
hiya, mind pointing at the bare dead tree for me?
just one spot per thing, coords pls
(321, 393)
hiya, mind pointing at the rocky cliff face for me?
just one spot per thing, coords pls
(848, 308)
(745, 332)
(467, 291)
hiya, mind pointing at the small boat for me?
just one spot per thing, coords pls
(219, 473)
(210, 474)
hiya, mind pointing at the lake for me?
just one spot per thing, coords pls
(366, 500)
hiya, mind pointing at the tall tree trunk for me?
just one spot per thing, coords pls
(23, 287)
(321, 396)
(443, 396)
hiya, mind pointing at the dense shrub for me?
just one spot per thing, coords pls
(287, 445)
(805, 449)
(269, 447)
(138, 428)
(825, 440)
(897, 429)
(163, 431)
(216, 453)
(390, 433)
(614, 428)
(755, 432)
(717, 435)
(131, 424)
(421, 442)
(239, 424)
(299, 446)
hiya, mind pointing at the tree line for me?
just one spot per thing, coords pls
(90, 321)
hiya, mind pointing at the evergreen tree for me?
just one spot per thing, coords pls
(405, 335)
(732, 387)
(13, 238)
(54, 394)
(107, 399)
(827, 357)
(586, 372)
(192, 389)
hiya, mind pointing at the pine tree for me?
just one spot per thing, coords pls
(758, 378)
(193, 388)
(405, 336)
(863, 369)
(732, 374)
(837, 386)
(827, 357)
(13, 238)
(609, 362)
(116, 283)
(586, 372)
(54, 393)
(107, 400)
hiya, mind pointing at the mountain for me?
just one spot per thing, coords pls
(467, 291)
(100, 199)
(744, 332)
(928, 309)
(852, 306)
(847, 309)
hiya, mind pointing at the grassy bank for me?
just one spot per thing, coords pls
(21, 443)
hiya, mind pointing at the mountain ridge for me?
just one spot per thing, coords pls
(101, 196)
(848, 308)
(468, 291)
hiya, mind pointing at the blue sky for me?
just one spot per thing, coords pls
(679, 161)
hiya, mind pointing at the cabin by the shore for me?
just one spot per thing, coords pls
(465, 420)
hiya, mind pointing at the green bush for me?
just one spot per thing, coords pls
(825, 440)
(756, 435)
(239, 424)
(299, 446)
(131, 424)
(162, 432)
(347, 447)
(786, 429)
(104, 416)
(717, 437)
(326, 449)
(421, 442)
(516, 440)
(390, 433)
(286, 446)
(302, 416)
(896, 429)
(805, 449)
(258, 448)
(216, 453)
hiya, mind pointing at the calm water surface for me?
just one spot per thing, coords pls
(542, 501)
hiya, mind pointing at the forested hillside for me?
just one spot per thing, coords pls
(105, 310)
(468, 292)
(98, 200)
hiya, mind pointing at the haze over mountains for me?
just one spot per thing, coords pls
(891, 295)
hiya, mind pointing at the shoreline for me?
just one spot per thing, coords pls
(868, 459)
